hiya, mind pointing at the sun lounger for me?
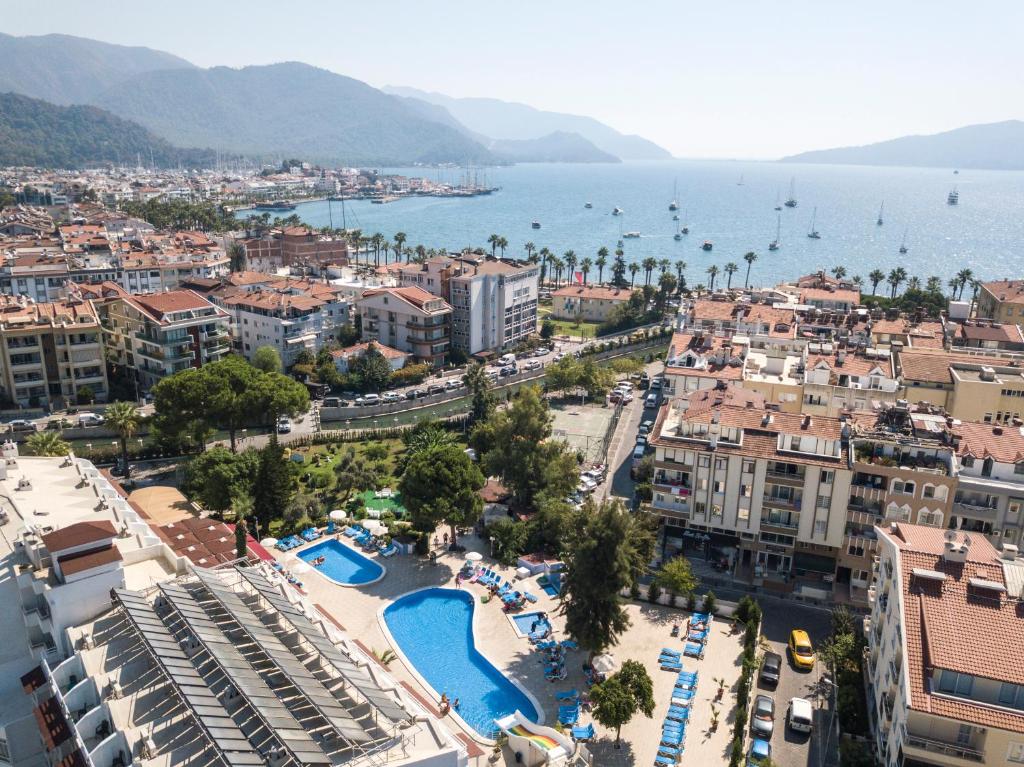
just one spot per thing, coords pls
(670, 751)
(672, 737)
(669, 651)
(558, 677)
(682, 697)
(530, 597)
(548, 645)
(569, 717)
(567, 695)
(700, 617)
(698, 636)
(389, 551)
(678, 714)
(583, 733)
(664, 761)
(690, 676)
(670, 665)
(693, 650)
(569, 644)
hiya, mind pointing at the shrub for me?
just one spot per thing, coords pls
(691, 601)
(710, 603)
(634, 590)
(736, 752)
(409, 375)
(422, 545)
(653, 592)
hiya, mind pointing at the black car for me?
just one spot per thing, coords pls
(771, 668)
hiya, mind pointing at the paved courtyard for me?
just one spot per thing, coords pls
(357, 611)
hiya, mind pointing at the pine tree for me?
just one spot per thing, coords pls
(273, 488)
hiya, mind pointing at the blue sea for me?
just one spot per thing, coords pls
(985, 232)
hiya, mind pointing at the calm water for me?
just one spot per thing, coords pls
(343, 564)
(434, 629)
(985, 232)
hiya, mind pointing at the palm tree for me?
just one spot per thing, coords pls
(876, 276)
(975, 284)
(556, 267)
(585, 266)
(619, 270)
(122, 418)
(895, 279)
(570, 264)
(385, 246)
(965, 276)
(601, 261)
(933, 285)
(493, 241)
(377, 241)
(730, 270)
(858, 281)
(712, 273)
(399, 238)
(665, 265)
(750, 257)
(680, 268)
(914, 283)
(48, 443)
(953, 285)
(649, 264)
(633, 269)
(545, 254)
(529, 248)
(839, 272)
(421, 253)
(502, 243)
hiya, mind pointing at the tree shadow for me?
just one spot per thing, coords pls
(605, 753)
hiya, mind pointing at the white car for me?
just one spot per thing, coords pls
(90, 419)
(652, 400)
(800, 715)
(284, 425)
(390, 397)
(541, 352)
(369, 399)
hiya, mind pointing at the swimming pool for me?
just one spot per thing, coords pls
(525, 621)
(434, 630)
(343, 564)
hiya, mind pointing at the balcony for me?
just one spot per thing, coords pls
(859, 545)
(178, 354)
(782, 501)
(682, 485)
(777, 473)
(971, 507)
(941, 747)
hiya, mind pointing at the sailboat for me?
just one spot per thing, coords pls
(678, 235)
(588, 205)
(881, 209)
(953, 198)
(813, 233)
(776, 243)
(616, 211)
(778, 205)
(791, 200)
(674, 205)
(903, 244)
(675, 217)
(740, 182)
(686, 227)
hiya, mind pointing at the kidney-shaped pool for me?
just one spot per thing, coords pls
(434, 630)
(342, 564)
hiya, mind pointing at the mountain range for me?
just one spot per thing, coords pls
(992, 146)
(265, 112)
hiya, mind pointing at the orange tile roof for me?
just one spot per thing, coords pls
(1011, 291)
(933, 365)
(854, 364)
(1004, 444)
(170, 302)
(851, 297)
(593, 292)
(416, 296)
(357, 349)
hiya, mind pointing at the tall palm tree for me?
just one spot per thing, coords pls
(680, 268)
(377, 240)
(839, 272)
(585, 266)
(123, 418)
(399, 238)
(750, 257)
(570, 265)
(601, 261)
(493, 242)
(730, 270)
(385, 246)
(975, 284)
(47, 443)
(529, 248)
(712, 273)
(556, 267)
(875, 276)
(665, 265)
(502, 244)
(649, 264)
(633, 269)
(965, 276)
(914, 283)
(954, 285)
(896, 278)
(421, 253)
(545, 254)
(933, 285)
(858, 281)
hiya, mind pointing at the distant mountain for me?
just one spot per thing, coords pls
(510, 120)
(559, 146)
(993, 146)
(289, 108)
(71, 70)
(34, 132)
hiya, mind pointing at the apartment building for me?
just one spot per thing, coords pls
(832, 299)
(297, 246)
(770, 487)
(904, 468)
(903, 332)
(408, 319)
(945, 682)
(159, 334)
(834, 381)
(990, 485)
(591, 303)
(288, 322)
(987, 386)
(1002, 301)
(979, 334)
(731, 318)
(699, 360)
(50, 351)
(494, 302)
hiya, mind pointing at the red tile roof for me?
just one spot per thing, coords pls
(1004, 444)
(79, 562)
(79, 534)
(593, 292)
(172, 301)
(1006, 290)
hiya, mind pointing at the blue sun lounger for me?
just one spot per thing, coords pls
(664, 761)
(693, 650)
(583, 733)
(569, 644)
(698, 636)
(568, 714)
(682, 697)
(668, 664)
(672, 737)
(567, 695)
(548, 645)
(678, 714)
(669, 651)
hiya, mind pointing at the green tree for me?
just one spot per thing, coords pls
(236, 256)
(619, 270)
(605, 554)
(267, 360)
(516, 436)
(274, 486)
(279, 395)
(712, 273)
(353, 472)
(677, 577)
(750, 257)
(585, 266)
(123, 419)
(508, 540)
(426, 435)
(85, 395)
(479, 386)
(563, 375)
(622, 695)
(371, 370)
(875, 277)
(730, 269)
(595, 379)
(547, 328)
(216, 477)
(601, 262)
(442, 485)
(47, 443)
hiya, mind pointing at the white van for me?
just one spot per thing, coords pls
(507, 359)
(800, 715)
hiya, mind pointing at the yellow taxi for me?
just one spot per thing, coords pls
(800, 649)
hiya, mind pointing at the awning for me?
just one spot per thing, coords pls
(813, 563)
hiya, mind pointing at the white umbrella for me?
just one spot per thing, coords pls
(604, 664)
(301, 567)
(374, 526)
(338, 515)
(268, 542)
(474, 556)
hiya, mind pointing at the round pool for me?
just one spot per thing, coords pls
(433, 629)
(342, 564)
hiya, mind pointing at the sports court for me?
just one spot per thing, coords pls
(583, 426)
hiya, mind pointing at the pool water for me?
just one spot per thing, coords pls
(342, 564)
(434, 629)
(525, 621)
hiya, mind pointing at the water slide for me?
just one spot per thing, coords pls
(539, 745)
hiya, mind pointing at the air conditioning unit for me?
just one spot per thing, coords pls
(115, 691)
(147, 748)
(87, 641)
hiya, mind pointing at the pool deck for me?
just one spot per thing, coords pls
(357, 611)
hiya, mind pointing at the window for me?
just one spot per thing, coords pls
(794, 443)
(705, 461)
(699, 507)
(1018, 468)
(720, 464)
(1011, 695)
(719, 487)
(827, 477)
(748, 467)
(956, 684)
(1015, 753)
(901, 487)
(933, 518)
(1013, 507)
(968, 461)
(824, 501)
(820, 527)
(987, 418)
(928, 491)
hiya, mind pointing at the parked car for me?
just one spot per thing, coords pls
(657, 383)
(800, 649)
(58, 424)
(651, 400)
(541, 352)
(644, 431)
(800, 715)
(759, 753)
(452, 383)
(22, 425)
(368, 399)
(641, 439)
(332, 402)
(284, 425)
(419, 393)
(771, 668)
(90, 419)
(435, 389)
(593, 475)
(645, 381)
(507, 359)
(508, 370)
(648, 424)
(532, 365)
(390, 396)
(762, 717)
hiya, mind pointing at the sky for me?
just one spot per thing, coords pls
(726, 79)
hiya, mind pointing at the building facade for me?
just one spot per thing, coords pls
(408, 319)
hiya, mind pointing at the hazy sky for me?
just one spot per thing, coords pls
(726, 78)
